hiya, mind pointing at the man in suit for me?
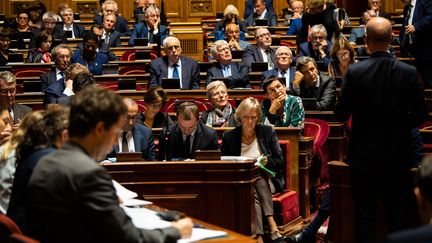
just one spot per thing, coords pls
(359, 32)
(151, 28)
(61, 56)
(71, 198)
(237, 73)
(250, 7)
(375, 5)
(261, 13)
(261, 51)
(81, 81)
(139, 11)
(102, 47)
(111, 7)
(134, 137)
(7, 96)
(109, 35)
(380, 150)
(283, 67)
(68, 24)
(187, 135)
(88, 56)
(173, 65)
(232, 35)
(49, 23)
(318, 47)
(416, 36)
(310, 83)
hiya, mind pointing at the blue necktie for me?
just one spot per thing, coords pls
(175, 71)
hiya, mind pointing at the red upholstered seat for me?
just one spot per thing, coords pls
(20, 238)
(7, 228)
(318, 129)
(202, 104)
(128, 56)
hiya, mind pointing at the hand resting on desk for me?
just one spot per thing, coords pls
(185, 226)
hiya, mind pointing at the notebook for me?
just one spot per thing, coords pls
(170, 83)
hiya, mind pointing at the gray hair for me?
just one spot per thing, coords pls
(246, 106)
(303, 62)
(215, 45)
(110, 2)
(214, 85)
(8, 77)
(50, 16)
(318, 28)
(169, 38)
(260, 28)
(151, 9)
(54, 51)
(65, 10)
(281, 48)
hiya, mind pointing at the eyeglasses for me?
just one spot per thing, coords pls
(8, 91)
(23, 18)
(343, 55)
(49, 24)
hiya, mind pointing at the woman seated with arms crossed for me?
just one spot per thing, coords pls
(41, 54)
(341, 56)
(253, 140)
(281, 109)
(152, 117)
(222, 114)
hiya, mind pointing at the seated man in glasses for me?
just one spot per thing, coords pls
(49, 23)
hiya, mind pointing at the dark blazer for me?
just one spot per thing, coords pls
(137, 12)
(72, 199)
(64, 100)
(325, 93)
(295, 27)
(103, 48)
(385, 99)
(78, 29)
(422, 37)
(18, 201)
(384, 15)
(158, 122)
(121, 25)
(20, 111)
(305, 49)
(141, 31)
(58, 34)
(275, 73)
(94, 67)
(418, 235)
(356, 33)
(114, 39)
(190, 72)
(220, 26)
(270, 16)
(54, 91)
(205, 138)
(325, 18)
(143, 141)
(239, 75)
(268, 143)
(253, 54)
(250, 7)
(47, 79)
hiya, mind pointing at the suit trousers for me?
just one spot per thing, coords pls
(263, 203)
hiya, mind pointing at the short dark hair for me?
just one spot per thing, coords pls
(187, 110)
(82, 80)
(21, 11)
(90, 36)
(43, 36)
(5, 34)
(155, 94)
(270, 80)
(92, 105)
(424, 178)
(55, 121)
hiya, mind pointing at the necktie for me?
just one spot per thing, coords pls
(150, 36)
(62, 75)
(186, 147)
(175, 71)
(283, 74)
(107, 38)
(226, 71)
(269, 59)
(125, 147)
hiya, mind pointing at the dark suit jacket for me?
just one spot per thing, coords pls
(417, 235)
(270, 16)
(54, 91)
(253, 54)
(384, 15)
(94, 67)
(72, 199)
(20, 111)
(239, 75)
(357, 33)
(141, 31)
(250, 7)
(121, 25)
(295, 27)
(386, 101)
(325, 93)
(114, 39)
(305, 49)
(137, 12)
(143, 141)
(189, 70)
(275, 72)
(422, 37)
(47, 79)
(78, 30)
(205, 138)
(268, 143)
(58, 34)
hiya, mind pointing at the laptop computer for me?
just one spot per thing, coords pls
(208, 154)
(110, 69)
(68, 33)
(261, 22)
(77, 17)
(140, 42)
(30, 86)
(259, 66)
(142, 54)
(170, 83)
(129, 156)
(237, 54)
(205, 66)
(16, 57)
(126, 84)
(309, 103)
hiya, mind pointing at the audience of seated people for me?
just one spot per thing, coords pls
(232, 36)
(311, 83)
(187, 135)
(152, 117)
(102, 47)
(293, 11)
(21, 28)
(222, 113)
(150, 28)
(139, 11)
(61, 56)
(283, 69)
(341, 56)
(174, 66)
(318, 47)
(357, 34)
(111, 7)
(41, 52)
(375, 5)
(134, 137)
(7, 96)
(49, 24)
(36, 10)
(318, 12)
(81, 81)
(67, 15)
(281, 109)
(88, 56)
(261, 13)
(253, 140)
(231, 16)
(261, 51)
(250, 7)
(237, 73)
(295, 19)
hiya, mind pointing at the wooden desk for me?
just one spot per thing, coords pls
(220, 192)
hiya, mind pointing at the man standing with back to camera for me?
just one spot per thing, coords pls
(385, 99)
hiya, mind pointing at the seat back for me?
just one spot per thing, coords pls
(7, 228)
(128, 56)
(20, 238)
(202, 104)
(319, 130)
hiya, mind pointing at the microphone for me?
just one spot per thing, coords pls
(218, 112)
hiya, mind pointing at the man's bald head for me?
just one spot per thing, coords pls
(379, 31)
